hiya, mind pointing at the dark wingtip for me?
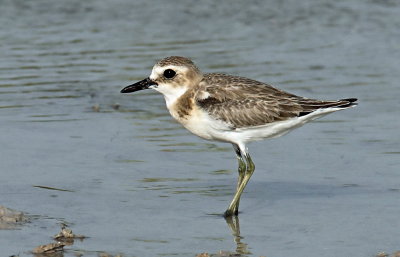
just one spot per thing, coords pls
(348, 102)
(342, 103)
(351, 100)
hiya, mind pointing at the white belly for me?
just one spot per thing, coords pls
(205, 126)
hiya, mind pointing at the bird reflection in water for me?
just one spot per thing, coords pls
(233, 223)
(241, 247)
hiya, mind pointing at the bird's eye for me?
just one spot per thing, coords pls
(169, 74)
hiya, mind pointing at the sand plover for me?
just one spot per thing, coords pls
(231, 109)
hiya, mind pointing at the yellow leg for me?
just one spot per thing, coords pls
(242, 172)
(233, 208)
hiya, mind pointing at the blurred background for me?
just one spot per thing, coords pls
(117, 169)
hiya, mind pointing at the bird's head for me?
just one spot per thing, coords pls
(171, 76)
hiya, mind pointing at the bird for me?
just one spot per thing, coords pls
(231, 109)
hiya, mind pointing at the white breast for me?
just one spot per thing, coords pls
(203, 125)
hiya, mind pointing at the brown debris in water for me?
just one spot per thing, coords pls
(116, 106)
(104, 254)
(96, 108)
(396, 254)
(66, 235)
(49, 248)
(221, 254)
(64, 238)
(9, 218)
(203, 255)
(384, 254)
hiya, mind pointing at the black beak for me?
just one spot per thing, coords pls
(143, 84)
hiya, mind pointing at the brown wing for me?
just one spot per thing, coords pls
(243, 102)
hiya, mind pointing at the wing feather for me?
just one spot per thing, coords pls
(243, 102)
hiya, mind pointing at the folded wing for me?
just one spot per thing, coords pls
(243, 102)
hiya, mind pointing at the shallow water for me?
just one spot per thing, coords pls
(117, 169)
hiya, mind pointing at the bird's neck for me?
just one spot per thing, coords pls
(172, 97)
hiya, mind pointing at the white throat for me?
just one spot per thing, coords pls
(171, 95)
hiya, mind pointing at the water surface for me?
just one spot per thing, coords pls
(117, 169)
